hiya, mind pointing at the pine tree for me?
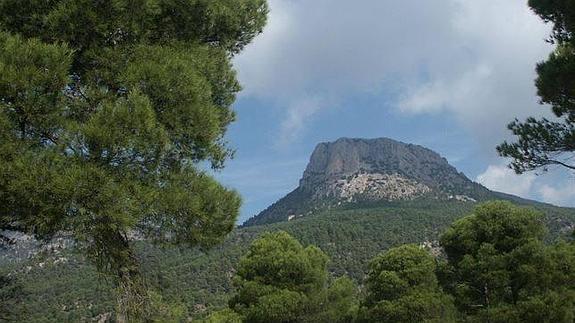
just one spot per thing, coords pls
(279, 280)
(542, 143)
(402, 287)
(500, 270)
(106, 110)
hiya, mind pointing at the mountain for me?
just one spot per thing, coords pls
(352, 171)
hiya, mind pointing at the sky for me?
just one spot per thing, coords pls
(445, 74)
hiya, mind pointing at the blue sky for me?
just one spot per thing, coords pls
(445, 74)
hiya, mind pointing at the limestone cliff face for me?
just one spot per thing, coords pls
(355, 170)
(333, 161)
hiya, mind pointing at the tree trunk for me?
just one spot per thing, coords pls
(133, 303)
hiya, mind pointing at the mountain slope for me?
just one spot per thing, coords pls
(72, 291)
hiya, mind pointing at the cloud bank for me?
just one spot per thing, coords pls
(501, 178)
(472, 59)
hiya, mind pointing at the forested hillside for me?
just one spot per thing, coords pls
(51, 289)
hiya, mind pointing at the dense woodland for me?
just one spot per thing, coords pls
(199, 282)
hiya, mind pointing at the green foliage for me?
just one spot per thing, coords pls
(106, 110)
(340, 302)
(10, 295)
(500, 224)
(277, 259)
(224, 316)
(202, 282)
(402, 287)
(501, 271)
(543, 143)
(281, 281)
(166, 312)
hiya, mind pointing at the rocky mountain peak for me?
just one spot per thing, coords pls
(348, 156)
(351, 170)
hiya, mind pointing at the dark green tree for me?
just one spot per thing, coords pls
(402, 287)
(543, 143)
(224, 316)
(10, 294)
(106, 110)
(338, 304)
(279, 280)
(501, 271)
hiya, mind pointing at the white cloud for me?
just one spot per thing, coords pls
(563, 195)
(441, 94)
(491, 81)
(557, 187)
(502, 179)
(473, 59)
(298, 115)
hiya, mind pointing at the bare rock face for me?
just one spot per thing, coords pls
(344, 157)
(374, 186)
(353, 170)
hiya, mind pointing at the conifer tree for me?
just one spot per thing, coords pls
(279, 280)
(500, 270)
(106, 110)
(401, 286)
(542, 143)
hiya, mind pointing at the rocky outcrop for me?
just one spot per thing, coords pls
(372, 186)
